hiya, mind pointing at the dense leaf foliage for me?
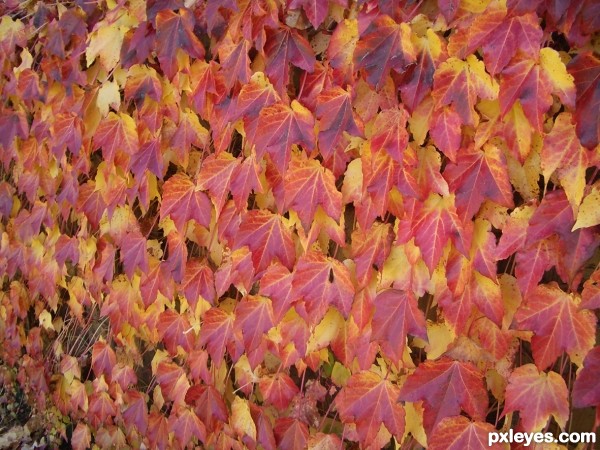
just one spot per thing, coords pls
(300, 223)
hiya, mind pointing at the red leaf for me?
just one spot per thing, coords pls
(209, 406)
(116, 133)
(385, 46)
(276, 283)
(370, 249)
(182, 201)
(133, 253)
(309, 185)
(175, 31)
(174, 329)
(586, 390)
(254, 316)
(285, 46)
(458, 433)
(525, 81)
(173, 382)
(315, 10)
(500, 37)
(280, 126)
(216, 333)
(198, 281)
(322, 281)
(135, 415)
(397, 315)
(446, 387)
(557, 323)
(445, 132)
(370, 401)
(103, 359)
(537, 396)
(216, 175)
(436, 223)
(235, 61)
(291, 434)
(389, 133)
(335, 114)
(187, 425)
(585, 68)
(278, 390)
(479, 175)
(268, 238)
(591, 292)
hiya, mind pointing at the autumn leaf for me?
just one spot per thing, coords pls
(280, 126)
(396, 316)
(585, 68)
(322, 281)
(309, 185)
(268, 238)
(370, 402)
(182, 201)
(175, 31)
(585, 389)
(459, 432)
(432, 383)
(385, 46)
(558, 325)
(485, 167)
(537, 396)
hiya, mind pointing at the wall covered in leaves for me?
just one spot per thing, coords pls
(300, 223)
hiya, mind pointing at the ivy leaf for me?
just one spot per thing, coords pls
(369, 401)
(370, 249)
(174, 330)
(280, 126)
(558, 325)
(268, 238)
(486, 168)
(116, 133)
(322, 281)
(446, 387)
(585, 68)
(500, 36)
(336, 116)
(562, 153)
(216, 333)
(586, 390)
(537, 396)
(435, 223)
(460, 83)
(396, 315)
(309, 185)
(254, 316)
(182, 201)
(525, 81)
(175, 31)
(458, 432)
(385, 46)
(285, 46)
(389, 133)
(185, 425)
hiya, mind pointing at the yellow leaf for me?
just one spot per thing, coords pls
(414, 422)
(241, 420)
(440, 336)
(562, 81)
(108, 95)
(105, 43)
(418, 122)
(326, 331)
(46, 320)
(589, 211)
